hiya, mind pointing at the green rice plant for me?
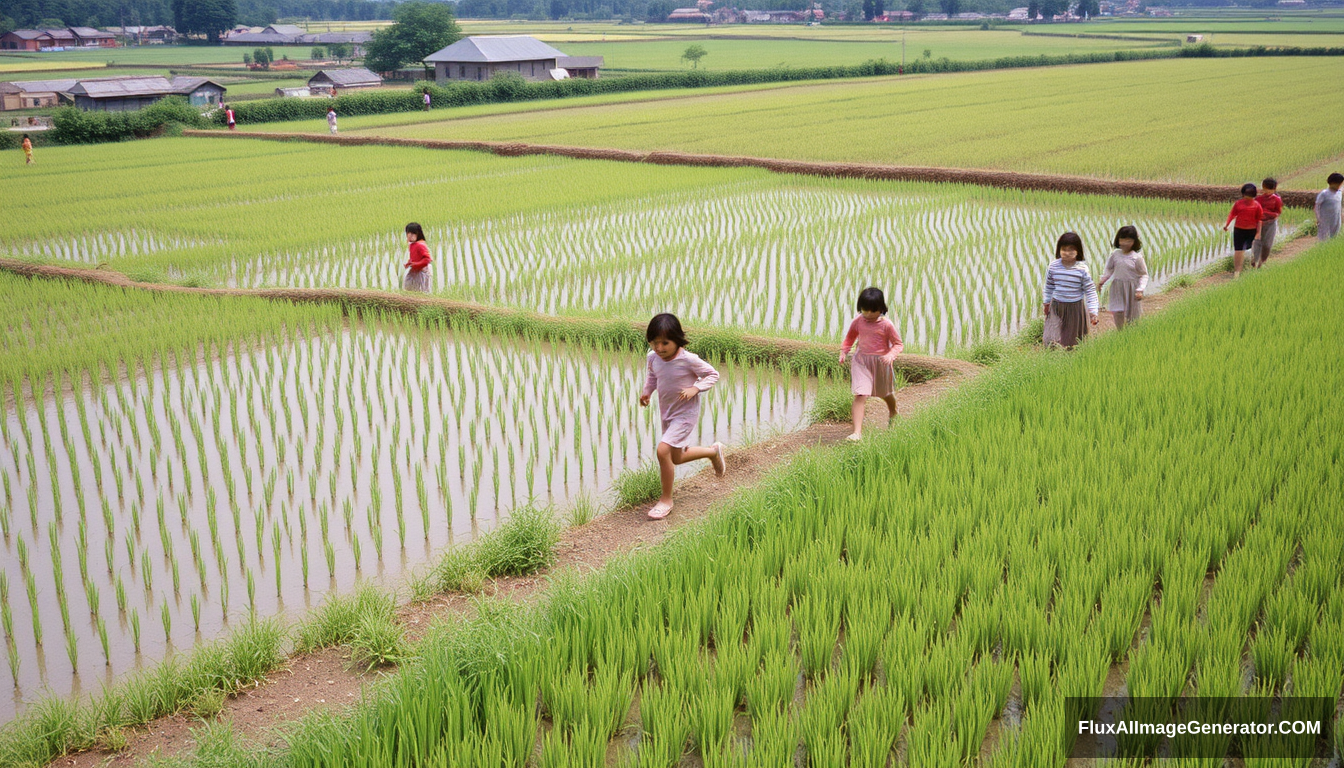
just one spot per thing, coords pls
(824, 715)
(1272, 654)
(832, 403)
(665, 726)
(635, 486)
(874, 725)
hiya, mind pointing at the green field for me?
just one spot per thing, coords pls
(269, 218)
(657, 55)
(1104, 120)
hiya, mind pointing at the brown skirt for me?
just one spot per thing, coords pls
(1073, 322)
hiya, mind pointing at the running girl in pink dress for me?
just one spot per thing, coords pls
(878, 345)
(679, 377)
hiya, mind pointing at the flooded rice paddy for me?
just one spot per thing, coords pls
(144, 515)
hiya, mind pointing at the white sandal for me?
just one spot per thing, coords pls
(660, 510)
(720, 466)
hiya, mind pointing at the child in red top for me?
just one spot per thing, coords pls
(878, 345)
(1247, 213)
(417, 265)
(1272, 205)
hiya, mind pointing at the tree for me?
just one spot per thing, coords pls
(917, 8)
(420, 29)
(1033, 8)
(318, 53)
(879, 8)
(339, 51)
(950, 7)
(262, 57)
(1088, 8)
(51, 23)
(247, 59)
(204, 17)
(869, 12)
(7, 25)
(1052, 8)
(694, 53)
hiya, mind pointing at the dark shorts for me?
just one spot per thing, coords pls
(1242, 239)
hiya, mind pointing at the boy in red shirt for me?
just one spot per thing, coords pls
(1272, 205)
(1247, 213)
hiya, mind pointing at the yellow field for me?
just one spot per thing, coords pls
(8, 64)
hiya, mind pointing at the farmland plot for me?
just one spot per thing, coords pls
(151, 502)
(777, 259)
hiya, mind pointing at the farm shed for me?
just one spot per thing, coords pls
(342, 79)
(293, 92)
(28, 94)
(122, 94)
(88, 37)
(585, 67)
(1194, 38)
(481, 58)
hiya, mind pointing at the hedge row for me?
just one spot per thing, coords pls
(513, 88)
(71, 125)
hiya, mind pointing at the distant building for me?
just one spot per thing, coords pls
(289, 34)
(691, 15)
(145, 35)
(1018, 14)
(28, 94)
(1194, 38)
(1162, 12)
(895, 16)
(342, 79)
(293, 92)
(124, 94)
(44, 39)
(483, 57)
(582, 67)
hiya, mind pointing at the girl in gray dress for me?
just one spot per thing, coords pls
(1128, 274)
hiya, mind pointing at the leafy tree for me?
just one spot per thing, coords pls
(879, 7)
(318, 53)
(247, 59)
(339, 51)
(1052, 8)
(421, 29)
(262, 57)
(950, 7)
(869, 11)
(1033, 8)
(694, 53)
(7, 25)
(1088, 8)
(51, 23)
(916, 7)
(204, 17)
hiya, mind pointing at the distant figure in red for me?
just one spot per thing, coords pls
(417, 264)
(228, 118)
(1247, 214)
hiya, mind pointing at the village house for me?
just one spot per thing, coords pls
(45, 39)
(88, 37)
(481, 58)
(124, 94)
(26, 40)
(342, 79)
(28, 94)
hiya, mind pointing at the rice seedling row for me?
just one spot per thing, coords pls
(893, 603)
(150, 502)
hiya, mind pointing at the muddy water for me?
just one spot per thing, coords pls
(261, 481)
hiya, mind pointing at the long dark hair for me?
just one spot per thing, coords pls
(666, 326)
(1070, 238)
(415, 229)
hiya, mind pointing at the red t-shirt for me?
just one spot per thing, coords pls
(1247, 213)
(419, 256)
(228, 115)
(1272, 205)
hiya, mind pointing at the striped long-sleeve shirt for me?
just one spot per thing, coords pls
(1069, 284)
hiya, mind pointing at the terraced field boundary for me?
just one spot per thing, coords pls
(715, 343)
(1032, 182)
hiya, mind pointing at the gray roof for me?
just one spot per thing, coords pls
(90, 32)
(44, 86)
(338, 37)
(579, 62)
(29, 34)
(119, 87)
(259, 37)
(60, 33)
(479, 50)
(285, 29)
(348, 77)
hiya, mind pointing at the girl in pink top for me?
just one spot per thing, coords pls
(679, 377)
(870, 372)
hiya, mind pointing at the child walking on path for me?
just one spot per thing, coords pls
(679, 377)
(1128, 274)
(1328, 209)
(28, 149)
(417, 265)
(870, 371)
(331, 120)
(1069, 292)
(1272, 206)
(1247, 213)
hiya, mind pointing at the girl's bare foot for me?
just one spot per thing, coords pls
(717, 460)
(660, 510)
(856, 436)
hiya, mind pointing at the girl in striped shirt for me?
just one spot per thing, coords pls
(1069, 291)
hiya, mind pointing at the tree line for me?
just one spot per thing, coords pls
(27, 14)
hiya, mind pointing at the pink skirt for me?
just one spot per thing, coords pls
(677, 430)
(870, 376)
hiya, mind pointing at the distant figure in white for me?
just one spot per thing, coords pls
(331, 120)
(1127, 273)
